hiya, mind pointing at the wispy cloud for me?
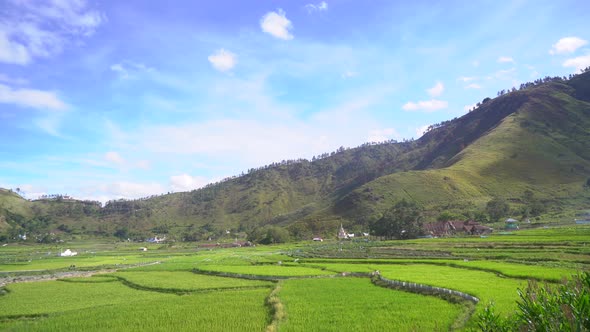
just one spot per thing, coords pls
(436, 90)
(32, 29)
(185, 182)
(12, 52)
(32, 98)
(130, 70)
(473, 86)
(222, 60)
(321, 6)
(578, 63)
(421, 130)
(467, 78)
(505, 59)
(380, 135)
(12, 80)
(277, 25)
(349, 74)
(567, 45)
(469, 107)
(427, 106)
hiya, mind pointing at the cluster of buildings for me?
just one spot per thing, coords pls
(456, 227)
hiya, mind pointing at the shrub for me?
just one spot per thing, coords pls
(564, 307)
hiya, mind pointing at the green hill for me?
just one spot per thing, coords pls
(536, 139)
(542, 145)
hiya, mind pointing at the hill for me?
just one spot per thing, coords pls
(535, 140)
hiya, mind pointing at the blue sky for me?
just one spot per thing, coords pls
(124, 99)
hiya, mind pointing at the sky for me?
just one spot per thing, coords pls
(117, 99)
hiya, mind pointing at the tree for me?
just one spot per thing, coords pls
(449, 215)
(122, 233)
(497, 208)
(403, 221)
(269, 235)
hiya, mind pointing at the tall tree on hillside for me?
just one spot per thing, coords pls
(497, 208)
(403, 221)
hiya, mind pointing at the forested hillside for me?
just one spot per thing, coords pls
(535, 139)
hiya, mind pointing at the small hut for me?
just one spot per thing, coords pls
(511, 224)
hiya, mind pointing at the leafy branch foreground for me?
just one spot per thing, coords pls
(563, 307)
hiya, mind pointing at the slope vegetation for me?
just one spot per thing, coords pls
(535, 139)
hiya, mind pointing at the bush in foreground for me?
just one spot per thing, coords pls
(563, 307)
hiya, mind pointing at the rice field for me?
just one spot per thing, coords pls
(242, 310)
(268, 270)
(185, 281)
(355, 304)
(178, 294)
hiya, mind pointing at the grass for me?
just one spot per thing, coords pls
(36, 298)
(514, 270)
(486, 286)
(185, 281)
(268, 270)
(354, 304)
(242, 310)
(147, 297)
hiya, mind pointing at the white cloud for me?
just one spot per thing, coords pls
(468, 108)
(436, 90)
(114, 158)
(467, 78)
(567, 45)
(427, 106)
(475, 63)
(473, 86)
(222, 60)
(277, 25)
(322, 6)
(504, 74)
(348, 74)
(13, 52)
(380, 135)
(129, 190)
(130, 70)
(185, 182)
(273, 133)
(421, 130)
(32, 98)
(33, 29)
(10, 80)
(505, 59)
(581, 62)
(50, 124)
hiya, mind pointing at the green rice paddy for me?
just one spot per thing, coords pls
(184, 288)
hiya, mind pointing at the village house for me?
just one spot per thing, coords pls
(511, 224)
(68, 253)
(456, 227)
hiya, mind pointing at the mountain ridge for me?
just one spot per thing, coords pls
(534, 139)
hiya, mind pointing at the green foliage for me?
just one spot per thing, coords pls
(122, 233)
(450, 215)
(535, 140)
(269, 235)
(403, 221)
(497, 208)
(564, 307)
(489, 321)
